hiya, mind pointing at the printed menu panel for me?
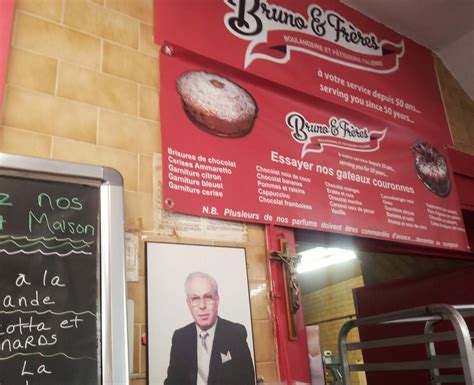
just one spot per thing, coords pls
(49, 288)
(239, 148)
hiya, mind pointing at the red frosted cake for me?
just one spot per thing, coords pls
(431, 168)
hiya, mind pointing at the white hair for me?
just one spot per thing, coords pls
(198, 274)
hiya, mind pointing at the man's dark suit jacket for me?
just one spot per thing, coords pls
(230, 341)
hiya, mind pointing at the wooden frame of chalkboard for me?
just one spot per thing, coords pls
(62, 277)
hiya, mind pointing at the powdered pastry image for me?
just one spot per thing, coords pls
(215, 104)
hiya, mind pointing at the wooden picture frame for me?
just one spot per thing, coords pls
(167, 267)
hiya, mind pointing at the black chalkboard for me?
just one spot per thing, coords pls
(49, 283)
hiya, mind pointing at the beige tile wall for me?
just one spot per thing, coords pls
(329, 308)
(83, 86)
(329, 333)
(331, 302)
(83, 80)
(459, 109)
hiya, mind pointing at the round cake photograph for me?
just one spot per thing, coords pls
(431, 168)
(215, 104)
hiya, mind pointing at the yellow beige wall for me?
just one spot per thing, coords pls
(329, 308)
(459, 109)
(83, 86)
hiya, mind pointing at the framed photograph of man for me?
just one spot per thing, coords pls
(198, 316)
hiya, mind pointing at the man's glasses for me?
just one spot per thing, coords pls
(195, 300)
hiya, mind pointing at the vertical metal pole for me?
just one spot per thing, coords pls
(463, 337)
(431, 351)
(343, 353)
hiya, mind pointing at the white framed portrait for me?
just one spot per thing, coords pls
(198, 315)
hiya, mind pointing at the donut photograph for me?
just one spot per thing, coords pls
(215, 104)
(431, 168)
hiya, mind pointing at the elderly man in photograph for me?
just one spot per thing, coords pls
(210, 350)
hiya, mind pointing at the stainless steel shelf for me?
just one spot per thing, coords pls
(430, 315)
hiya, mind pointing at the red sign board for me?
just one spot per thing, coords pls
(297, 161)
(7, 11)
(320, 47)
(341, 129)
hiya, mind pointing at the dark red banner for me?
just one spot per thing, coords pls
(240, 148)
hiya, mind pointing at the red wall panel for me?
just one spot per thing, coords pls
(292, 355)
(455, 287)
(7, 10)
